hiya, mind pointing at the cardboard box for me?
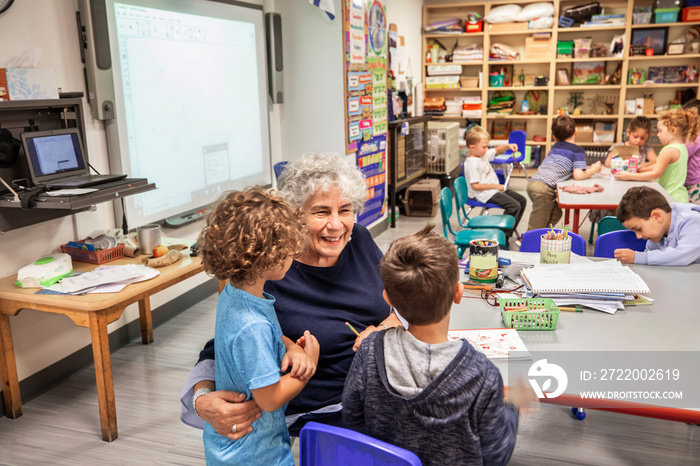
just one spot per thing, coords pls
(602, 136)
(584, 132)
(508, 27)
(538, 49)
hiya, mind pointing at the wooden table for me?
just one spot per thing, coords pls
(608, 199)
(93, 311)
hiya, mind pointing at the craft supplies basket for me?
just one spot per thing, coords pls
(538, 314)
(94, 257)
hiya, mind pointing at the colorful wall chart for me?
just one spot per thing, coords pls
(366, 49)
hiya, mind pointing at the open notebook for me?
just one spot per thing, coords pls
(591, 277)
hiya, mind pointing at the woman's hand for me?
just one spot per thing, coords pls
(224, 410)
(298, 362)
(623, 176)
(363, 335)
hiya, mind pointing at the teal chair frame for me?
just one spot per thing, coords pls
(462, 238)
(501, 222)
(531, 241)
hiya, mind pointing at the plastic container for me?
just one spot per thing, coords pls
(536, 314)
(476, 26)
(423, 198)
(641, 18)
(666, 15)
(94, 257)
(691, 14)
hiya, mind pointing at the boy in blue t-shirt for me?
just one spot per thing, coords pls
(250, 238)
(672, 230)
(563, 160)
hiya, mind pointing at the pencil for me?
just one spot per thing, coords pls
(571, 309)
(352, 328)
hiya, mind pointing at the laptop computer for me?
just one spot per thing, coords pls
(56, 160)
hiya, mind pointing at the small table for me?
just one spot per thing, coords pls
(608, 199)
(93, 311)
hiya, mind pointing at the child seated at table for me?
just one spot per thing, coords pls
(565, 159)
(251, 237)
(418, 389)
(671, 167)
(672, 230)
(692, 179)
(484, 185)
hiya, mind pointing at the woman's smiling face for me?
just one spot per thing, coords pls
(330, 219)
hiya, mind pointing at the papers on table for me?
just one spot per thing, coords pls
(105, 279)
(70, 192)
(592, 277)
(494, 343)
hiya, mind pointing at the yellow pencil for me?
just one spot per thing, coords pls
(353, 329)
(571, 309)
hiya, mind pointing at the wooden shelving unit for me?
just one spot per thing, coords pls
(558, 95)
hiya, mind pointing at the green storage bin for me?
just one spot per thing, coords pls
(537, 313)
(666, 15)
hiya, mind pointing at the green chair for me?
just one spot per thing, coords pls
(608, 224)
(462, 238)
(462, 201)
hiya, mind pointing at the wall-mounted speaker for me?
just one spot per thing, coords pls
(275, 66)
(95, 52)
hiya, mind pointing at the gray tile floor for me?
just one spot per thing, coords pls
(61, 426)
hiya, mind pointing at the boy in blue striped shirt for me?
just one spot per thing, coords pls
(563, 160)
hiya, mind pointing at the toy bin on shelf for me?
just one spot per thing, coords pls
(94, 257)
(666, 15)
(529, 314)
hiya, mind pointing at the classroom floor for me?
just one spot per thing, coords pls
(61, 426)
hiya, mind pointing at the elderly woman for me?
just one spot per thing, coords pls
(335, 280)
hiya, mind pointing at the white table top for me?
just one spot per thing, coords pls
(608, 199)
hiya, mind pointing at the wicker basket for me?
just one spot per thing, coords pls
(94, 257)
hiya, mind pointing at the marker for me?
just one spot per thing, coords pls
(571, 309)
(353, 329)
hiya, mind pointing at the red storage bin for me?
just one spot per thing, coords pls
(477, 26)
(691, 14)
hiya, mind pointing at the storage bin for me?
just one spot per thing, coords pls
(666, 15)
(476, 26)
(469, 82)
(641, 18)
(536, 313)
(423, 198)
(691, 14)
(94, 257)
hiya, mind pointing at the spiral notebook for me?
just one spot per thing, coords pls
(593, 277)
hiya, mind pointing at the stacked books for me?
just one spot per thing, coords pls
(471, 107)
(448, 26)
(468, 53)
(605, 20)
(599, 285)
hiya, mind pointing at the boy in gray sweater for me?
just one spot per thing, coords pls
(416, 389)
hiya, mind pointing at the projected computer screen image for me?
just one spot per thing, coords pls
(191, 102)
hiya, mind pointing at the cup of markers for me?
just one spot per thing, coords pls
(555, 246)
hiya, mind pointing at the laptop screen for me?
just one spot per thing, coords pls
(54, 154)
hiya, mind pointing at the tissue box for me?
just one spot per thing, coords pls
(31, 84)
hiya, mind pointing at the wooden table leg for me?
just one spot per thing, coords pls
(8, 371)
(576, 218)
(566, 216)
(103, 375)
(146, 320)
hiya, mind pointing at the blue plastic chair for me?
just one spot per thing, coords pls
(322, 445)
(531, 241)
(279, 168)
(506, 161)
(462, 238)
(606, 243)
(501, 222)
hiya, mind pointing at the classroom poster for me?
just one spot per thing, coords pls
(366, 49)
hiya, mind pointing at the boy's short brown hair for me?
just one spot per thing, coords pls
(420, 273)
(475, 135)
(639, 201)
(248, 233)
(563, 127)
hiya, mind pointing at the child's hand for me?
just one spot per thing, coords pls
(623, 176)
(596, 167)
(626, 256)
(513, 147)
(522, 396)
(500, 188)
(311, 347)
(302, 366)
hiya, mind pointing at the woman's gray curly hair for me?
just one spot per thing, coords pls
(317, 171)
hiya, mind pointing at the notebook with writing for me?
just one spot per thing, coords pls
(56, 160)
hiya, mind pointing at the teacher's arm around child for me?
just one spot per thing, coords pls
(671, 167)
(250, 238)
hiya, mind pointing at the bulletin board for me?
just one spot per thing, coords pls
(366, 114)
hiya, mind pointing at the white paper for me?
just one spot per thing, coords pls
(104, 275)
(495, 343)
(70, 192)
